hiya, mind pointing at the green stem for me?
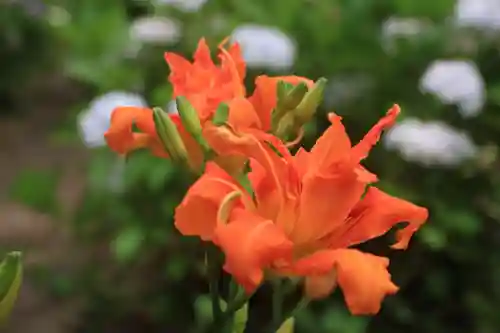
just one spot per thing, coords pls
(277, 302)
(233, 293)
(234, 289)
(213, 271)
(237, 303)
(302, 304)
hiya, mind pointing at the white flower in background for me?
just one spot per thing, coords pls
(95, 120)
(482, 14)
(155, 30)
(184, 5)
(400, 26)
(429, 143)
(58, 16)
(265, 47)
(456, 82)
(172, 107)
(397, 27)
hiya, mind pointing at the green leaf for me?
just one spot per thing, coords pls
(161, 95)
(494, 94)
(36, 189)
(10, 282)
(203, 310)
(159, 174)
(240, 317)
(434, 237)
(177, 268)
(221, 115)
(128, 243)
(288, 326)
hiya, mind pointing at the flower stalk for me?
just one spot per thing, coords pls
(214, 276)
(277, 302)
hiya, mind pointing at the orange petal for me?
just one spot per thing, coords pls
(202, 56)
(330, 186)
(264, 97)
(237, 56)
(361, 150)
(320, 286)
(301, 161)
(230, 74)
(251, 144)
(325, 203)
(331, 149)
(242, 114)
(363, 277)
(376, 214)
(179, 69)
(251, 244)
(282, 181)
(120, 136)
(197, 213)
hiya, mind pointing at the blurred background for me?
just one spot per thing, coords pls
(101, 254)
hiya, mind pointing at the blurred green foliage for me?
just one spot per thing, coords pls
(146, 278)
(25, 46)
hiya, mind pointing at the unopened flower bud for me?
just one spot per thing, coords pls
(310, 103)
(191, 121)
(286, 127)
(169, 136)
(294, 96)
(289, 97)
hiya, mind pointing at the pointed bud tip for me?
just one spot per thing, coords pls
(189, 116)
(169, 136)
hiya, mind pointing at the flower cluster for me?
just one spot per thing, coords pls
(274, 214)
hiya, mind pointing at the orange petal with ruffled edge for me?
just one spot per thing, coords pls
(236, 56)
(251, 244)
(252, 144)
(325, 203)
(191, 78)
(264, 97)
(232, 70)
(330, 185)
(330, 150)
(275, 159)
(202, 56)
(120, 136)
(363, 277)
(264, 148)
(375, 215)
(179, 68)
(197, 213)
(361, 150)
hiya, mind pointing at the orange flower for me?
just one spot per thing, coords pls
(205, 85)
(306, 213)
(121, 138)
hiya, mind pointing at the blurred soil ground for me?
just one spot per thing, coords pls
(45, 241)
